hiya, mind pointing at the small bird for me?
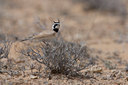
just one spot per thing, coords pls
(46, 34)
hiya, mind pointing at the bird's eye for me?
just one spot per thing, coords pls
(56, 25)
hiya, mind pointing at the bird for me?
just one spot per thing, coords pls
(47, 33)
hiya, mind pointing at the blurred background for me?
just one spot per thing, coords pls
(81, 20)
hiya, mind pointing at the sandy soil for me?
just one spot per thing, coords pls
(103, 33)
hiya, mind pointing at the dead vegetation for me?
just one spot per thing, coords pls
(100, 60)
(4, 49)
(61, 57)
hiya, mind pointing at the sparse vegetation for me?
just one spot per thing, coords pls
(61, 57)
(90, 52)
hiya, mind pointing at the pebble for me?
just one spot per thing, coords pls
(95, 69)
(33, 77)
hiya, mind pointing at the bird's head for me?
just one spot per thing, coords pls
(56, 26)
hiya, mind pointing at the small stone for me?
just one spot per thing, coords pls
(96, 69)
(92, 69)
(33, 77)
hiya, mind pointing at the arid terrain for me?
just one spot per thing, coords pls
(103, 30)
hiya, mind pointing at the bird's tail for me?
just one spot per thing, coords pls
(29, 38)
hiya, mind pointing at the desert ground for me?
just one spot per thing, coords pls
(103, 31)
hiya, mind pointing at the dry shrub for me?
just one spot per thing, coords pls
(4, 49)
(61, 57)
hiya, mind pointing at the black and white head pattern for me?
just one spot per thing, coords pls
(56, 26)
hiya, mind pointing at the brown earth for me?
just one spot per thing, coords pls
(102, 32)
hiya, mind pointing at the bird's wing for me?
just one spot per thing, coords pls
(44, 34)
